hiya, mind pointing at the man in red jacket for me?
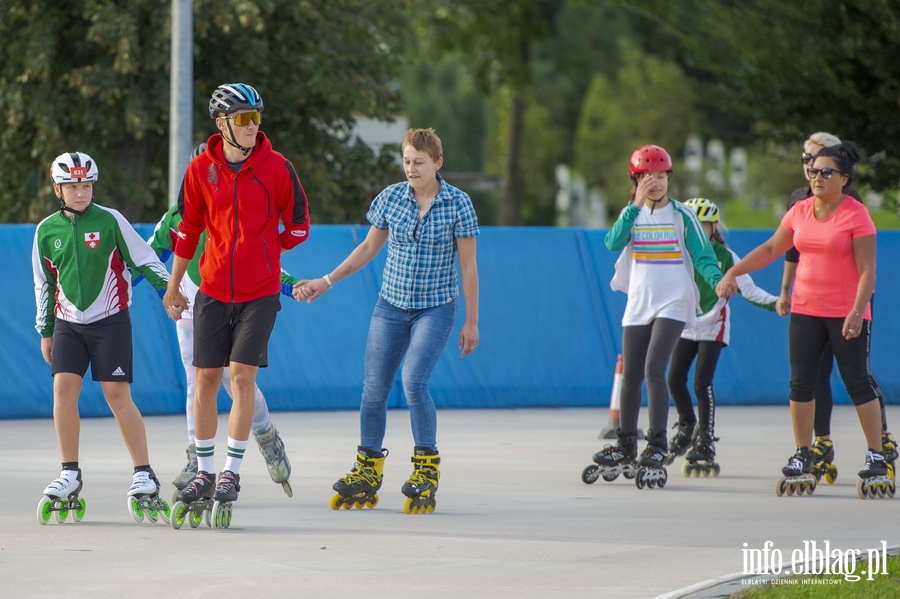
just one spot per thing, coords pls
(238, 191)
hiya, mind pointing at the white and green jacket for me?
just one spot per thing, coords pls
(81, 266)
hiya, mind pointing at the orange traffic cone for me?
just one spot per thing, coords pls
(610, 431)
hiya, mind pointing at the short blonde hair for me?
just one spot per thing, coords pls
(424, 140)
(826, 140)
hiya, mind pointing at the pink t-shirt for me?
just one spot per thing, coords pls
(827, 277)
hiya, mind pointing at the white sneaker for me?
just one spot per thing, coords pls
(69, 482)
(144, 484)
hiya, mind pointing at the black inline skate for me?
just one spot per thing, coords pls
(196, 503)
(798, 478)
(652, 463)
(823, 460)
(701, 459)
(889, 449)
(613, 460)
(682, 438)
(874, 480)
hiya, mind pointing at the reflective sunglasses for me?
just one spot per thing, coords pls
(245, 118)
(825, 172)
(806, 157)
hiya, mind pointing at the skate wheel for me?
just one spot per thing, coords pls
(134, 507)
(639, 479)
(62, 510)
(78, 512)
(195, 517)
(218, 516)
(715, 470)
(831, 475)
(178, 514)
(288, 490)
(409, 506)
(44, 510)
(630, 473)
(662, 481)
(686, 470)
(891, 489)
(372, 501)
(335, 502)
(651, 483)
(670, 459)
(164, 510)
(590, 474)
(780, 486)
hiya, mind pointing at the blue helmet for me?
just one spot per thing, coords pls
(232, 97)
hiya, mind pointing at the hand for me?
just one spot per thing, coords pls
(727, 286)
(309, 289)
(853, 325)
(468, 339)
(783, 305)
(47, 349)
(175, 303)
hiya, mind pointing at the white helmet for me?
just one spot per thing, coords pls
(74, 167)
(707, 211)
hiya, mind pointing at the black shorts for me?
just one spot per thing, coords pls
(225, 332)
(105, 345)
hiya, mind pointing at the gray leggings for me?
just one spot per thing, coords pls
(646, 351)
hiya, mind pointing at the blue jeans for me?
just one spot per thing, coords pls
(419, 334)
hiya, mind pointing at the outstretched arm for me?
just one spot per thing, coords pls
(310, 289)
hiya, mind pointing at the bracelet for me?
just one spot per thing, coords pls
(327, 280)
(857, 312)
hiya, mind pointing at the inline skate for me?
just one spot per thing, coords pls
(61, 497)
(422, 485)
(359, 488)
(823, 460)
(187, 473)
(272, 448)
(195, 503)
(873, 478)
(682, 438)
(613, 460)
(144, 500)
(889, 449)
(798, 478)
(701, 459)
(652, 463)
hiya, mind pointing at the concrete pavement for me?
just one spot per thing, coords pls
(513, 518)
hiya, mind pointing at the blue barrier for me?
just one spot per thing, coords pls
(550, 331)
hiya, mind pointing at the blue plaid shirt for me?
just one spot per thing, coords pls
(420, 271)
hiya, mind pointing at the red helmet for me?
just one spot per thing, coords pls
(649, 159)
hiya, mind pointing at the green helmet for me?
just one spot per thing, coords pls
(707, 211)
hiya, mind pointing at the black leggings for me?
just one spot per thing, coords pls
(707, 354)
(809, 336)
(645, 355)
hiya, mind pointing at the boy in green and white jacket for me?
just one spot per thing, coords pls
(81, 258)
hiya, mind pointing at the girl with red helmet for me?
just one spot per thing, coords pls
(662, 244)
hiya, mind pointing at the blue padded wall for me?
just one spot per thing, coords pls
(550, 331)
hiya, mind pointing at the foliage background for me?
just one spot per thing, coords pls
(513, 87)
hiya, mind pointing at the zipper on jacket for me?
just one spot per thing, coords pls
(75, 249)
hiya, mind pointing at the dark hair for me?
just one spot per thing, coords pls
(845, 156)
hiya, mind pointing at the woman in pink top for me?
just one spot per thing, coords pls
(830, 304)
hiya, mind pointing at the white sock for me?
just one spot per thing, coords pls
(206, 460)
(235, 454)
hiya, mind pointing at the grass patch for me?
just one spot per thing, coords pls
(884, 586)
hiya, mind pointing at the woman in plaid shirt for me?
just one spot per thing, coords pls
(426, 223)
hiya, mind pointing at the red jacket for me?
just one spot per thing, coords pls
(241, 214)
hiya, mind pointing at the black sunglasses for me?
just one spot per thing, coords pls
(825, 172)
(806, 157)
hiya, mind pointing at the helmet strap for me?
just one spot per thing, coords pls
(244, 151)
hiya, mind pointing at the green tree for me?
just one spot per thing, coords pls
(650, 101)
(94, 76)
(792, 68)
(497, 40)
